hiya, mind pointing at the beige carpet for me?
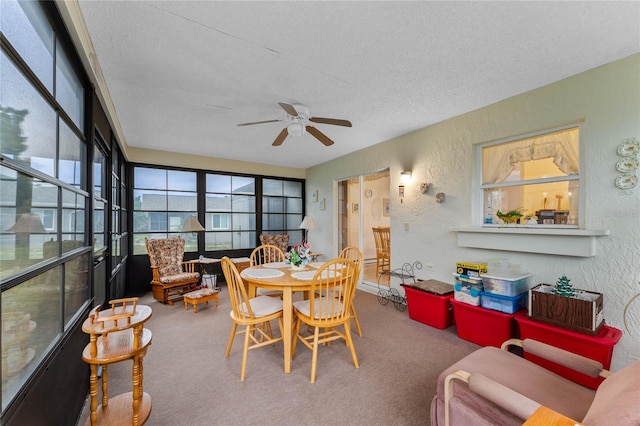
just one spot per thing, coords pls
(192, 383)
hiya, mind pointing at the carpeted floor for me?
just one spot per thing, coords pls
(192, 383)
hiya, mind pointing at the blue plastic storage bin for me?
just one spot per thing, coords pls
(506, 304)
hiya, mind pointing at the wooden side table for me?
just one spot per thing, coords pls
(200, 296)
(115, 335)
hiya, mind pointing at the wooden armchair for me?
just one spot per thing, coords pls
(280, 241)
(382, 236)
(171, 278)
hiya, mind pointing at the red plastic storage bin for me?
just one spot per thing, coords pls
(428, 308)
(598, 347)
(483, 326)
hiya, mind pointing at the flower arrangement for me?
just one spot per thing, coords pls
(299, 255)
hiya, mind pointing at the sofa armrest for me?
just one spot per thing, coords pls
(502, 396)
(562, 357)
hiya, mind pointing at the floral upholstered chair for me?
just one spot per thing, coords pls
(171, 277)
(280, 241)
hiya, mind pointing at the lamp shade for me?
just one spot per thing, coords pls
(192, 225)
(28, 223)
(307, 223)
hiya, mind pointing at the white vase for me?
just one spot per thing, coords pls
(297, 268)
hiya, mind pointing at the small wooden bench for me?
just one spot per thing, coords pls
(200, 296)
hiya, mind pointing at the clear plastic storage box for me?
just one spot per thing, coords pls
(506, 285)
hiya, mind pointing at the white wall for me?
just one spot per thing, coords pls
(605, 99)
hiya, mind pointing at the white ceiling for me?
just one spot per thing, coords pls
(183, 74)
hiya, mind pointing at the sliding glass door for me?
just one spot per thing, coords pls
(363, 204)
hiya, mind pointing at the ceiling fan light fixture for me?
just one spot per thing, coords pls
(296, 129)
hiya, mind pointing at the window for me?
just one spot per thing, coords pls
(225, 204)
(163, 199)
(99, 195)
(282, 208)
(535, 175)
(43, 194)
(219, 222)
(230, 212)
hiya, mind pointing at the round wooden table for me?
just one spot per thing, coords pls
(287, 284)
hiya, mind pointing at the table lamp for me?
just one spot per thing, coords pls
(307, 223)
(192, 225)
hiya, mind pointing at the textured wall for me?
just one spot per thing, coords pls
(606, 102)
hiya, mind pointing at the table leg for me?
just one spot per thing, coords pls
(105, 386)
(136, 377)
(287, 314)
(93, 390)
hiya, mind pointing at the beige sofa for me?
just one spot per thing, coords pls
(493, 386)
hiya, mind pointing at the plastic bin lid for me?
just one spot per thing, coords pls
(431, 286)
(467, 278)
(508, 277)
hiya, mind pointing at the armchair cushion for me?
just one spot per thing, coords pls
(179, 277)
(617, 400)
(280, 241)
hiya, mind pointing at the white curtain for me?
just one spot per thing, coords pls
(500, 160)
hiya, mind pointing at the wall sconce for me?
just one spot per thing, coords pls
(405, 177)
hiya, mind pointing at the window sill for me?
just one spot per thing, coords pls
(531, 239)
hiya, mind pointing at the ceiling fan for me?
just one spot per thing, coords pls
(296, 120)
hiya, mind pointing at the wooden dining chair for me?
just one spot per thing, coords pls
(254, 314)
(333, 286)
(267, 253)
(354, 253)
(382, 237)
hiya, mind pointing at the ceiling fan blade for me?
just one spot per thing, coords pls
(289, 109)
(257, 122)
(334, 121)
(319, 135)
(281, 137)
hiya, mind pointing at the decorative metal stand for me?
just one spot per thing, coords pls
(405, 273)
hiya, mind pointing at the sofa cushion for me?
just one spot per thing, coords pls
(617, 400)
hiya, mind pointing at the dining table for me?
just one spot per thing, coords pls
(279, 276)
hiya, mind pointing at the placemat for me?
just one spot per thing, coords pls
(308, 275)
(275, 265)
(261, 273)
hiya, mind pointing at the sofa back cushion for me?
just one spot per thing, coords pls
(617, 400)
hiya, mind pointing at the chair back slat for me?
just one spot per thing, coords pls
(237, 290)
(353, 253)
(335, 280)
(266, 253)
(382, 236)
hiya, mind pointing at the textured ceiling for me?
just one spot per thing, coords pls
(183, 74)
